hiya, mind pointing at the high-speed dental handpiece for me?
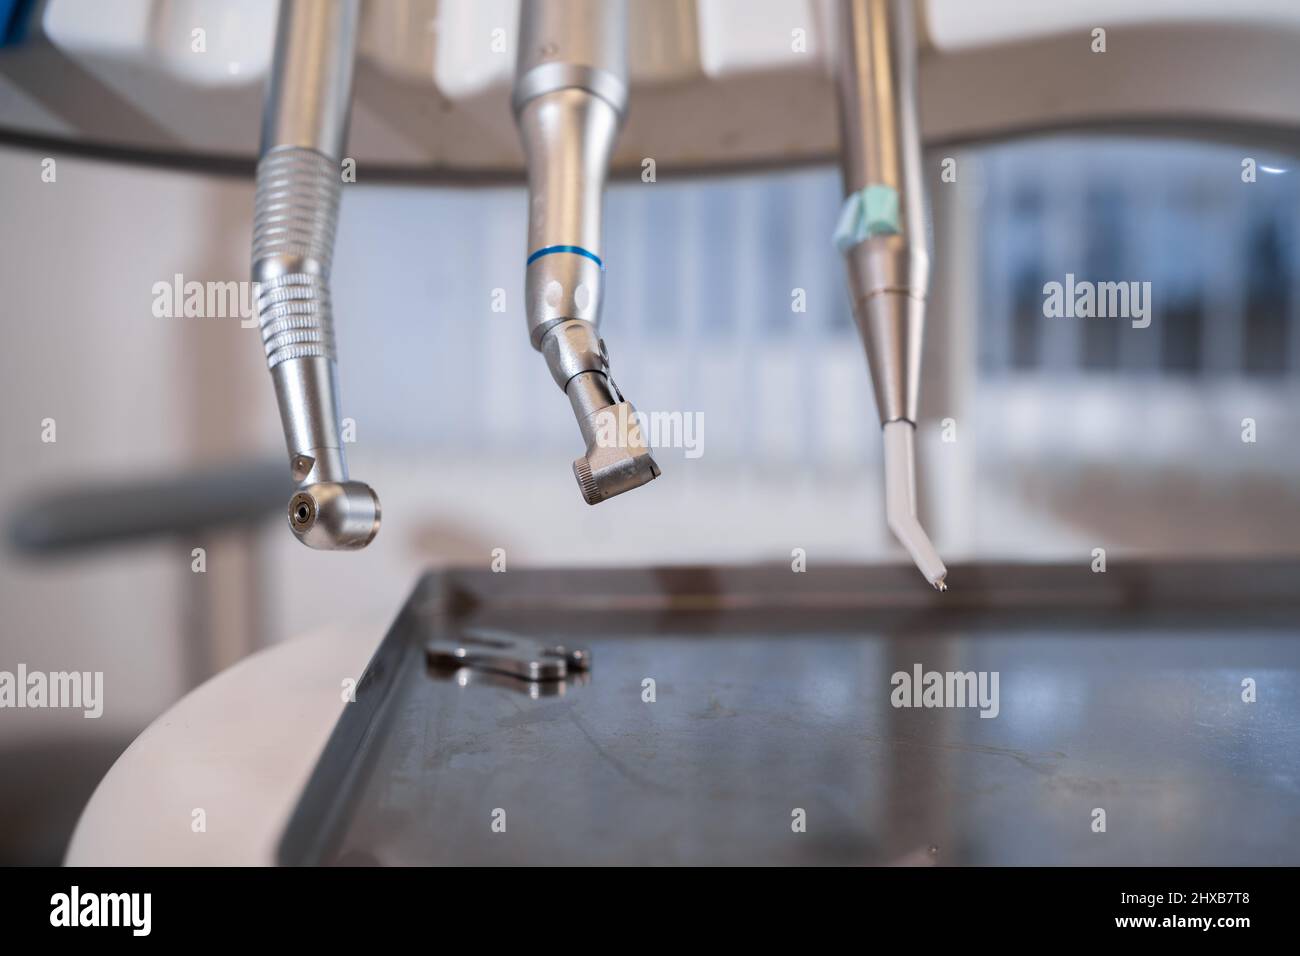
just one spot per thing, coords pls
(304, 126)
(882, 235)
(569, 98)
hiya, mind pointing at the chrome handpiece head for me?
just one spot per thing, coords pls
(881, 233)
(569, 98)
(617, 458)
(335, 516)
(296, 216)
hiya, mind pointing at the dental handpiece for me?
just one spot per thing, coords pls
(882, 235)
(304, 126)
(570, 95)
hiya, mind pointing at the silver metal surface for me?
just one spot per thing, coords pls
(296, 216)
(774, 693)
(569, 97)
(310, 91)
(747, 728)
(573, 44)
(506, 653)
(884, 276)
(703, 82)
(880, 136)
(889, 267)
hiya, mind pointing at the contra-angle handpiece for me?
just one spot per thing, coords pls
(882, 235)
(304, 126)
(570, 95)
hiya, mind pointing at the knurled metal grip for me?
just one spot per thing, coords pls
(294, 223)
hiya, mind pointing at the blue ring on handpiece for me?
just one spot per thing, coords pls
(576, 250)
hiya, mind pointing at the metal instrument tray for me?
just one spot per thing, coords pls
(1120, 692)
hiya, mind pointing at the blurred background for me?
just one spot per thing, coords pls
(1066, 434)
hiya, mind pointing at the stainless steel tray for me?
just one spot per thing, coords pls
(1119, 691)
